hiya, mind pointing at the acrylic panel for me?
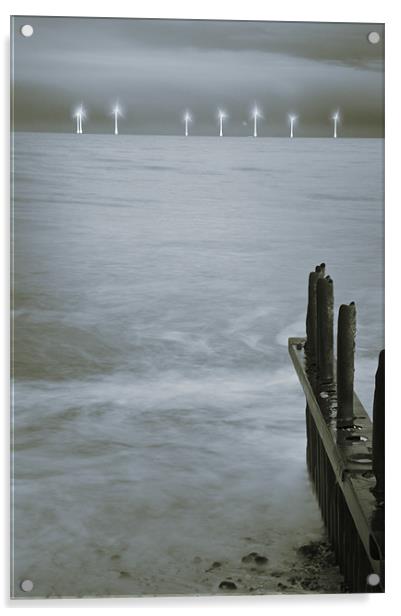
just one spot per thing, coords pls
(197, 258)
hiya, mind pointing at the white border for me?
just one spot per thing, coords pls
(294, 10)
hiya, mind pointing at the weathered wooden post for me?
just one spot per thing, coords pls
(325, 312)
(311, 315)
(345, 364)
(311, 360)
(378, 430)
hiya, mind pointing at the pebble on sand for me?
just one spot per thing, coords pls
(254, 557)
(226, 585)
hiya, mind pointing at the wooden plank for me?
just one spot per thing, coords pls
(349, 453)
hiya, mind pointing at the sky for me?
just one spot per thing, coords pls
(156, 69)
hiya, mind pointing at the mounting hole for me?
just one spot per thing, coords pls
(374, 38)
(357, 438)
(26, 585)
(373, 579)
(361, 458)
(349, 428)
(26, 30)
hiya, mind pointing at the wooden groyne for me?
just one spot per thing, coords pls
(345, 450)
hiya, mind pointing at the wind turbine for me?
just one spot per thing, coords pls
(335, 119)
(79, 114)
(187, 120)
(116, 113)
(292, 119)
(255, 115)
(222, 116)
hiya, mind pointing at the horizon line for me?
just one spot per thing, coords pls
(54, 132)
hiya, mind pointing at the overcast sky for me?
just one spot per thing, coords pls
(158, 68)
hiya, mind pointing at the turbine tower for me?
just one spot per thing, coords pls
(187, 120)
(222, 116)
(255, 115)
(76, 115)
(116, 113)
(81, 117)
(79, 114)
(292, 119)
(335, 119)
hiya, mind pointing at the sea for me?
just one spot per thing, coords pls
(158, 423)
